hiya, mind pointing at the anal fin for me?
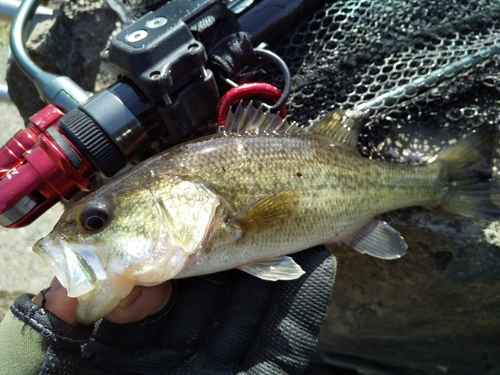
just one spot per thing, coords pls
(274, 269)
(378, 239)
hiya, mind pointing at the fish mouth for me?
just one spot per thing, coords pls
(101, 300)
(77, 267)
(82, 273)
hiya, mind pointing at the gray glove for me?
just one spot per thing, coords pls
(226, 323)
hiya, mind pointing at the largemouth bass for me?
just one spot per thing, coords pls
(245, 198)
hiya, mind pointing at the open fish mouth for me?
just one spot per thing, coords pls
(81, 271)
(77, 267)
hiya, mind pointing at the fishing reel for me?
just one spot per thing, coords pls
(172, 66)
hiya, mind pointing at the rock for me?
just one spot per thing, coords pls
(434, 311)
(69, 45)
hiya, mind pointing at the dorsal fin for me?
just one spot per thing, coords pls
(253, 120)
(339, 125)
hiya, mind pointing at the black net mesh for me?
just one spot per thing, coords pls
(350, 52)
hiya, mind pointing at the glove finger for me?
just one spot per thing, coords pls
(165, 339)
(241, 312)
(288, 336)
(225, 333)
(198, 300)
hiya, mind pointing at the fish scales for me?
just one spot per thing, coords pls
(340, 190)
(314, 164)
(245, 200)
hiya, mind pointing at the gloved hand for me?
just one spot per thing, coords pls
(226, 323)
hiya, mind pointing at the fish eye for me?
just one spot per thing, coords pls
(95, 217)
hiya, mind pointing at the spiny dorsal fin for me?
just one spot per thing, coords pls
(268, 212)
(339, 125)
(253, 120)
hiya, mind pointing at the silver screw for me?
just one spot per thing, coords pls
(156, 22)
(136, 36)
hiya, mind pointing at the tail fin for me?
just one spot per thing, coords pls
(467, 166)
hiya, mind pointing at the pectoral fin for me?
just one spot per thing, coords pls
(268, 212)
(378, 239)
(274, 269)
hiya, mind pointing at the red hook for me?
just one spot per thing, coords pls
(244, 91)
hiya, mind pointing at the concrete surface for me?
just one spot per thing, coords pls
(20, 269)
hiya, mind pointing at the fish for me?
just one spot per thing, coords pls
(249, 196)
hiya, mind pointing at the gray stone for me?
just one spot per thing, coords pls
(70, 45)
